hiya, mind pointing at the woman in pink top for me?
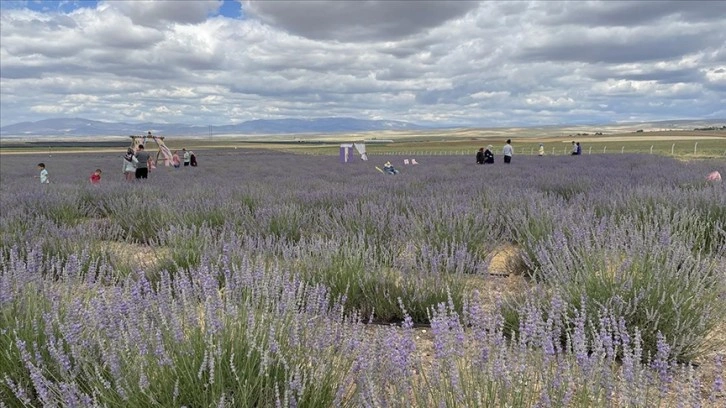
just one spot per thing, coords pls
(175, 159)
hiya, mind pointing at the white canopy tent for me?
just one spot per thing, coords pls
(347, 152)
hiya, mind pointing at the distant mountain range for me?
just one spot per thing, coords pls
(78, 127)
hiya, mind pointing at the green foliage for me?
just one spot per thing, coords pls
(654, 288)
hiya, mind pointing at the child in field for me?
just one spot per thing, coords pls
(43, 176)
(96, 177)
(541, 149)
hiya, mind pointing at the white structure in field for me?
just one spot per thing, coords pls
(347, 152)
(163, 152)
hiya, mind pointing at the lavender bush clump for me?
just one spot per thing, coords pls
(199, 289)
(646, 273)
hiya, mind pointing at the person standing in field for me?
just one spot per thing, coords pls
(96, 177)
(187, 157)
(541, 149)
(142, 167)
(578, 150)
(480, 156)
(43, 176)
(129, 165)
(508, 151)
(574, 148)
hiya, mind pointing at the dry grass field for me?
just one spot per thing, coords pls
(557, 141)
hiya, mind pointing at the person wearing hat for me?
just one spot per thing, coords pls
(388, 168)
(488, 155)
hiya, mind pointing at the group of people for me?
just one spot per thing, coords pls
(487, 156)
(190, 159)
(44, 176)
(576, 148)
(136, 165)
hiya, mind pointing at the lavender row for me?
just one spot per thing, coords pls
(249, 334)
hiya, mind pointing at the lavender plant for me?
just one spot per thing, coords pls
(194, 288)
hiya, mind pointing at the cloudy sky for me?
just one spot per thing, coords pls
(488, 63)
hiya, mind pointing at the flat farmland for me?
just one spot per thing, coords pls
(682, 143)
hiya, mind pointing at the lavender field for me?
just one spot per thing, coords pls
(270, 279)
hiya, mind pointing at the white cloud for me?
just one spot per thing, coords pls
(459, 63)
(153, 13)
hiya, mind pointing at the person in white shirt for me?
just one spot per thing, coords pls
(44, 178)
(508, 151)
(129, 165)
(187, 157)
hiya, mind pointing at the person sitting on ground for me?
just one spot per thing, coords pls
(574, 148)
(488, 155)
(480, 156)
(388, 169)
(541, 149)
(175, 159)
(96, 177)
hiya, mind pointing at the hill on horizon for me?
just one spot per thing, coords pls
(79, 127)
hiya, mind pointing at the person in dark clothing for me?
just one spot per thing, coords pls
(488, 155)
(480, 156)
(142, 167)
(388, 169)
